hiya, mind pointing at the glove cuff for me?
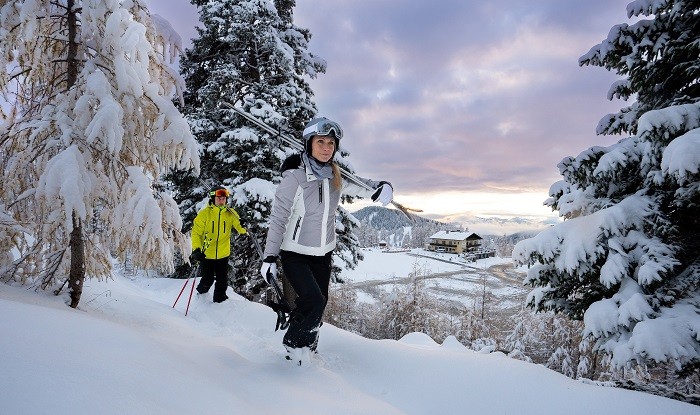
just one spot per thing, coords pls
(270, 259)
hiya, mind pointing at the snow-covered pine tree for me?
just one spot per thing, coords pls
(474, 332)
(524, 342)
(348, 242)
(250, 54)
(565, 336)
(246, 55)
(306, 64)
(626, 259)
(91, 126)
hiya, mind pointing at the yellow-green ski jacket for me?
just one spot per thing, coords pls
(212, 228)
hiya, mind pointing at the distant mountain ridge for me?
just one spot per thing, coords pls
(382, 218)
(398, 231)
(496, 225)
(395, 228)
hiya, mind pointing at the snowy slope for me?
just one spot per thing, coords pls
(126, 351)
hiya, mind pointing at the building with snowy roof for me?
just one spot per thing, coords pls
(458, 242)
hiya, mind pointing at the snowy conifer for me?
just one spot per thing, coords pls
(249, 54)
(347, 240)
(91, 126)
(245, 55)
(626, 259)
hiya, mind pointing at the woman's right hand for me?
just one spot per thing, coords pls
(268, 269)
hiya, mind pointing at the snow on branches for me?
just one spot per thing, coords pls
(93, 129)
(625, 260)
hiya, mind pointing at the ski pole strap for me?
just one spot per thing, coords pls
(282, 315)
(280, 295)
(282, 307)
(282, 321)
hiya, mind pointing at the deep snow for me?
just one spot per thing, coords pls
(127, 351)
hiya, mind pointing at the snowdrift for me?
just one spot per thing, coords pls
(127, 351)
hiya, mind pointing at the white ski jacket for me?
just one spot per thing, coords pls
(303, 212)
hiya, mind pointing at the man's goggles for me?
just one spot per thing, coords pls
(220, 193)
(324, 127)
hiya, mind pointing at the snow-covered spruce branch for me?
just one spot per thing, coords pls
(53, 263)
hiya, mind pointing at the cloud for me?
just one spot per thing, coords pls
(458, 95)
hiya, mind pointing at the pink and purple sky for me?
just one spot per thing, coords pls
(466, 107)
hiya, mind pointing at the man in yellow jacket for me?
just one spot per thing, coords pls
(211, 242)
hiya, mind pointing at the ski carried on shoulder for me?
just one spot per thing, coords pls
(296, 145)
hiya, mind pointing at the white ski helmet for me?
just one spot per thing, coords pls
(324, 127)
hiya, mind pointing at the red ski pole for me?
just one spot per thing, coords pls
(185, 285)
(183, 289)
(190, 299)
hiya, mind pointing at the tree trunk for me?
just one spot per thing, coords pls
(76, 277)
(72, 55)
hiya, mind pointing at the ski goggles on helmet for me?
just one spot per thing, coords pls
(324, 126)
(220, 193)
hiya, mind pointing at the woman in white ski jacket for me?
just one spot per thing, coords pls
(302, 227)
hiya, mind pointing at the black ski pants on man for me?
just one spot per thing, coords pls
(309, 276)
(210, 270)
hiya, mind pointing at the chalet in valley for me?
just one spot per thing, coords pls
(458, 242)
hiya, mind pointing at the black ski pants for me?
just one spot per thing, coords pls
(210, 270)
(309, 276)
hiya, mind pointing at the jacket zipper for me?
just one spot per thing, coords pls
(326, 215)
(320, 192)
(296, 229)
(218, 231)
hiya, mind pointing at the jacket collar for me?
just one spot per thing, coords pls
(318, 172)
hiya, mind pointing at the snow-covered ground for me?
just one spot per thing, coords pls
(447, 276)
(381, 265)
(127, 351)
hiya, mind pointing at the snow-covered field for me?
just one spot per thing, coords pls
(127, 351)
(385, 265)
(446, 275)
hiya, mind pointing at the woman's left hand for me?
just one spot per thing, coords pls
(384, 194)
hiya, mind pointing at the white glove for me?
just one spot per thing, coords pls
(384, 194)
(268, 269)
